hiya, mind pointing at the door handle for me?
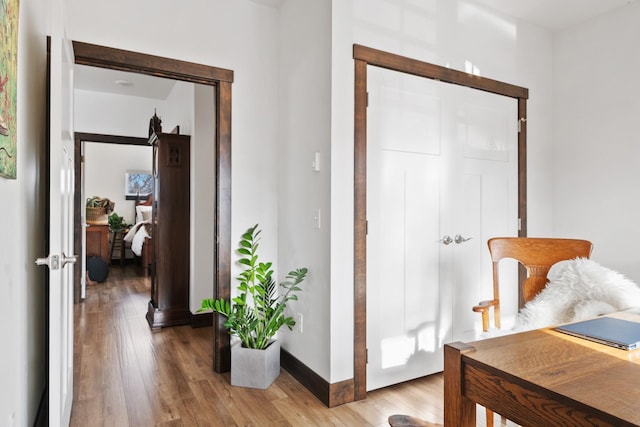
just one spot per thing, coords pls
(54, 262)
(446, 240)
(68, 260)
(459, 239)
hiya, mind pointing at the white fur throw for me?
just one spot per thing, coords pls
(581, 290)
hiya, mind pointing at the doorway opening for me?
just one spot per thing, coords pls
(221, 79)
(110, 145)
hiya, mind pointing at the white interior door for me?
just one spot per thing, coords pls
(482, 199)
(405, 322)
(60, 259)
(441, 180)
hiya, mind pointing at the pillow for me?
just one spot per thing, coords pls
(143, 213)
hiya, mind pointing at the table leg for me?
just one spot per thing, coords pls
(458, 410)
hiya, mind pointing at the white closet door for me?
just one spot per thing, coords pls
(430, 178)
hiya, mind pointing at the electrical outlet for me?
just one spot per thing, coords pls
(299, 322)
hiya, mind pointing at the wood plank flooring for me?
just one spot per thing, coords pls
(127, 375)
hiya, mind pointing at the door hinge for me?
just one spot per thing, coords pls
(520, 122)
(367, 355)
(519, 224)
(366, 227)
(367, 99)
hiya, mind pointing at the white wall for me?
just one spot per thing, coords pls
(179, 109)
(109, 114)
(22, 283)
(104, 171)
(202, 196)
(597, 104)
(305, 128)
(240, 35)
(446, 33)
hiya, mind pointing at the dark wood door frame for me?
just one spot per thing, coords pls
(363, 57)
(221, 79)
(79, 139)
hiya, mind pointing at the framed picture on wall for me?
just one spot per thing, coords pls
(8, 87)
(137, 183)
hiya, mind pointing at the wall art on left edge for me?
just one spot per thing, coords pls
(8, 86)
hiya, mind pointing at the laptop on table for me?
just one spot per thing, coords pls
(623, 334)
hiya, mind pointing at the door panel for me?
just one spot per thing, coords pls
(60, 260)
(441, 161)
(405, 326)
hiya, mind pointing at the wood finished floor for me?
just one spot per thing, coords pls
(127, 375)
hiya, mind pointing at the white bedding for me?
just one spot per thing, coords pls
(136, 236)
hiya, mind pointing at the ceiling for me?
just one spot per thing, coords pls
(121, 82)
(552, 14)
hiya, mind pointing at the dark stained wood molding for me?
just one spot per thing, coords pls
(364, 56)
(201, 320)
(406, 65)
(117, 59)
(522, 166)
(222, 340)
(330, 394)
(360, 231)
(341, 392)
(111, 139)
(522, 187)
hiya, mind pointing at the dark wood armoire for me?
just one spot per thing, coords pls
(169, 304)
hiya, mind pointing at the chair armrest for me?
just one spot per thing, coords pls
(485, 305)
(483, 308)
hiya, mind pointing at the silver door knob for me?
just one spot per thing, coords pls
(459, 239)
(446, 240)
(47, 260)
(68, 260)
(55, 262)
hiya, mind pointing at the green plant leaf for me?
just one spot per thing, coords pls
(257, 313)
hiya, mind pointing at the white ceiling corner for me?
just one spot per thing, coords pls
(555, 14)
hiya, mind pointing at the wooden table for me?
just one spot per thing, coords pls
(543, 378)
(97, 241)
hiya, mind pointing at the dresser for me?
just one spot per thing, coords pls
(98, 241)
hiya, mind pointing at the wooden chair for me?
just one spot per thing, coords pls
(537, 255)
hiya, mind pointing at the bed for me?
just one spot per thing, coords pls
(139, 235)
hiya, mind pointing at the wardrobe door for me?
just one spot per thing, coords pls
(169, 304)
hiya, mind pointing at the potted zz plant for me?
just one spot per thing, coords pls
(256, 314)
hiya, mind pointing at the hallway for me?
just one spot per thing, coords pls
(127, 375)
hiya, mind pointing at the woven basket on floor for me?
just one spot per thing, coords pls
(97, 216)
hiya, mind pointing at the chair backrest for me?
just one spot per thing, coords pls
(537, 255)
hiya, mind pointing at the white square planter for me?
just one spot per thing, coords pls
(255, 368)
